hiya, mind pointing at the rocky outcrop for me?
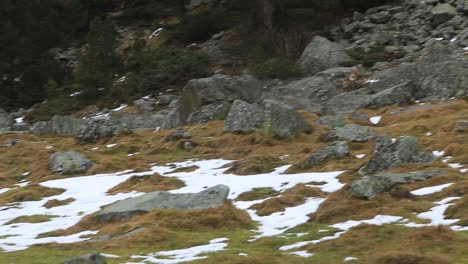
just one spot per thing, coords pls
(351, 132)
(282, 121)
(66, 125)
(272, 118)
(94, 258)
(461, 126)
(209, 198)
(369, 186)
(40, 128)
(178, 134)
(211, 112)
(442, 13)
(310, 93)
(69, 162)
(321, 54)
(217, 88)
(6, 121)
(336, 150)
(94, 129)
(391, 153)
(243, 117)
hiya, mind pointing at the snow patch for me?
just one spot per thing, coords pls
(430, 190)
(183, 255)
(302, 253)
(375, 119)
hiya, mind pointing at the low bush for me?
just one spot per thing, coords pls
(277, 68)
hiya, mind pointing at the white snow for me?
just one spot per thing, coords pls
(133, 154)
(109, 255)
(243, 254)
(453, 39)
(209, 173)
(430, 190)
(89, 193)
(111, 145)
(75, 94)
(360, 156)
(436, 214)
(455, 165)
(4, 190)
(302, 253)
(119, 108)
(345, 227)
(372, 81)
(439, 38)
(156, 33)
(464, 170)
(19, 119)
(48, 147)
(375, 119)
(95, 148)
(350, 259)
(429, 134)
(277, 223)
(183, 255)
(438, 153)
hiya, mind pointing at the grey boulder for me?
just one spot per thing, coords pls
(211, 112)
(442, 13)
(217, 88)
(335, 150)
(94, 258)
(461, 126)
(369, 186)
(206, 199)
(351, 132)
(391, 153)
(69, 162)
(6, 121)
(66, 125)
(321, 54)
(243, 117)
(282, 121)
(95, 129)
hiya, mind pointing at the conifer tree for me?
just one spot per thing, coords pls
(97, 67)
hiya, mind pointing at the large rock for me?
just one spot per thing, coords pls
(217, 88)
(6, 121)
(336, 150)
(461, 126)
(142, 122)
(41, 127)
(369, 186)
(351, 132)
(391, 153)
(282, 121)
(321, 54)
(442, 13)
(209, 198)
(310, 93)
(66, 125)
(95, 129)
(243, 117)
(94, 258)
(69, 162)
(211, 112)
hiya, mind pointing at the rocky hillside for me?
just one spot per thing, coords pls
(345, 142)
